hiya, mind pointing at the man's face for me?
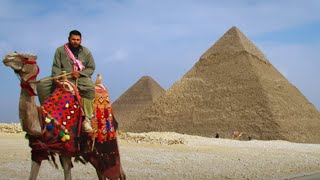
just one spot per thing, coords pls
(74, 40)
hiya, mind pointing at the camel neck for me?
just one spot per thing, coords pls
(28, 114)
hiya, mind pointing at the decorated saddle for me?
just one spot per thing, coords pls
(103, 121)
(105, 153)
(60, 118)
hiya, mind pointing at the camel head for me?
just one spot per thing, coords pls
(24, 65)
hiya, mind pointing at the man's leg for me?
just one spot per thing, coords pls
(44, 89)
(88, 112)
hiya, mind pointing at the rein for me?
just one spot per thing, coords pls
(26, 84)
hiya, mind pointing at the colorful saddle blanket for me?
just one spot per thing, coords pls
(61, 117)
(103, 120)
(105, 156)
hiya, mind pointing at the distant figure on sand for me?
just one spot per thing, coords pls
(236, 135)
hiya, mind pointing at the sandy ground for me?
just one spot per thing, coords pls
(177, 156)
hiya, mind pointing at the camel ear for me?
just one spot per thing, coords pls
(98, 80)
(30, 56)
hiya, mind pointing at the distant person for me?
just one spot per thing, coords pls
(76, 59)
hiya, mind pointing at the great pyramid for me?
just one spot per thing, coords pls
(233, 87)
(134, 100)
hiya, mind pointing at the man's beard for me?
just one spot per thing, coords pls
(74, 50)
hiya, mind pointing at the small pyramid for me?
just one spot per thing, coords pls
(139, 96)
(233, 87)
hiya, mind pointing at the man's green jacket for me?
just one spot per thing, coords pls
(62, 62)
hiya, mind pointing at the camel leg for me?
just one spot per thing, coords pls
(35, 167)
(121, 177)
(66, 165)
(100, 176)
(122, 174)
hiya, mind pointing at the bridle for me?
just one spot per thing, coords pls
(26, 84)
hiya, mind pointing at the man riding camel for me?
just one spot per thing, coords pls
(75, 58)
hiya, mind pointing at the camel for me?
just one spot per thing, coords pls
(236, 135)
(25, 66)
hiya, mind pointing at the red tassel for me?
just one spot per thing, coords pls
(106, 112)
(99, 117)
(98, 113)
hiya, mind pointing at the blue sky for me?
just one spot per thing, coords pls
(162, 39)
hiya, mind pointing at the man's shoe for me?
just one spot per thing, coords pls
(86, 125)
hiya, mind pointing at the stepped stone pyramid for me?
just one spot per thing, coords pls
(133, 101)
(233, 87)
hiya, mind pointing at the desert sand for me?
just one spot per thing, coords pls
(170, 155)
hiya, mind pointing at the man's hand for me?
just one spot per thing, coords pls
(75, 74)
